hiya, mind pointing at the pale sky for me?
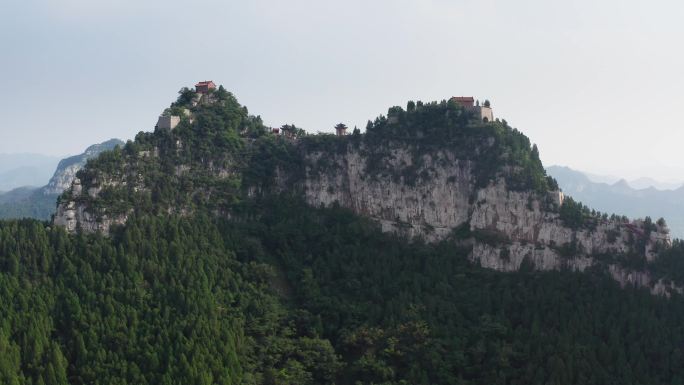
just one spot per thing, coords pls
(596, 84)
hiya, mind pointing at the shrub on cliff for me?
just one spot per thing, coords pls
(573, 213)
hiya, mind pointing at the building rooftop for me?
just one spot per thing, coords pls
(207, 83)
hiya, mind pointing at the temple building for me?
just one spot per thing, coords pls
(483, 112)
(204, 87)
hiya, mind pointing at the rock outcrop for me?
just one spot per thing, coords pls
(506, 228)
(67, 168)
(431, 171)
(431, 207)
(434, 195)
(73, 214)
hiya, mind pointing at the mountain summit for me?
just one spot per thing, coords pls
(430, 249)
(432, 171)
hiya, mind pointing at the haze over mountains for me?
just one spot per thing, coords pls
(19, 170)
(636, 183)
(635, 199)
(433, 248)
(29, 201)
(645, 182)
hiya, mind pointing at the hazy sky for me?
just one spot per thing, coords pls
(596, 84)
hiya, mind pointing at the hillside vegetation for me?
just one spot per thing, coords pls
(219, 277)
(621, 198)
(39, 202)
(220, 152)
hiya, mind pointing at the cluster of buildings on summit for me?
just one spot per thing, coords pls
(169, 122)
(483, 112)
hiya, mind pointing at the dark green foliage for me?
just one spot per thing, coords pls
(490, 237)
(36, 205)
(422, 314)
(266, 156)
(425, 128)
(283, 293)
(185, 96)
(310, 296)
(198, 164)
(161, 302)
(574, 214)
(292, 131)
(670, 263)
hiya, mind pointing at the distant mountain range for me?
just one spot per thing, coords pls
(67, 168)
(40, 202)
(639, 183)
(644, 182)
(636, 199)
(20, 170)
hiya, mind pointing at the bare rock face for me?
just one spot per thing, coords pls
(67, 168)
(62, 179)
(431, 210)
(73, 214)
(434, 195)
(643, 279)
(508, 227)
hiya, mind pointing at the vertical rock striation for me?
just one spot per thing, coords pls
(506, 227)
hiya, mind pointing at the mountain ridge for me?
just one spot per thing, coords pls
(619, 197)
(424, 172)
(39, 202)
(24, 170)
(68, 167)
(236, 254)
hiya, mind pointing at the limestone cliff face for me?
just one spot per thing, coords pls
(434, 194)
(506, 227)
(67, 168)
(431, 207)
(62, 178)
(88, 205)
(74, 214)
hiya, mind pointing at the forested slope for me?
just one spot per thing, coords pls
(310, 296)
(181, 259)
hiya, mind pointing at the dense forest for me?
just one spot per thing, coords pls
(217, 278)
(310, 296)
(34, 204)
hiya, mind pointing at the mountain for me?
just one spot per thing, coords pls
(39, 203)
(67, 168)
(620, 197)
(431, 249)
(610, 179)
(426, 172)
(645, 182)
(16, 194)
(638, 183)
(20, 170)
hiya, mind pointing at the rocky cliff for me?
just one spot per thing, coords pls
(68, 167)
(620, 197)
(428, 172)
(39, 203)
(506, 228)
